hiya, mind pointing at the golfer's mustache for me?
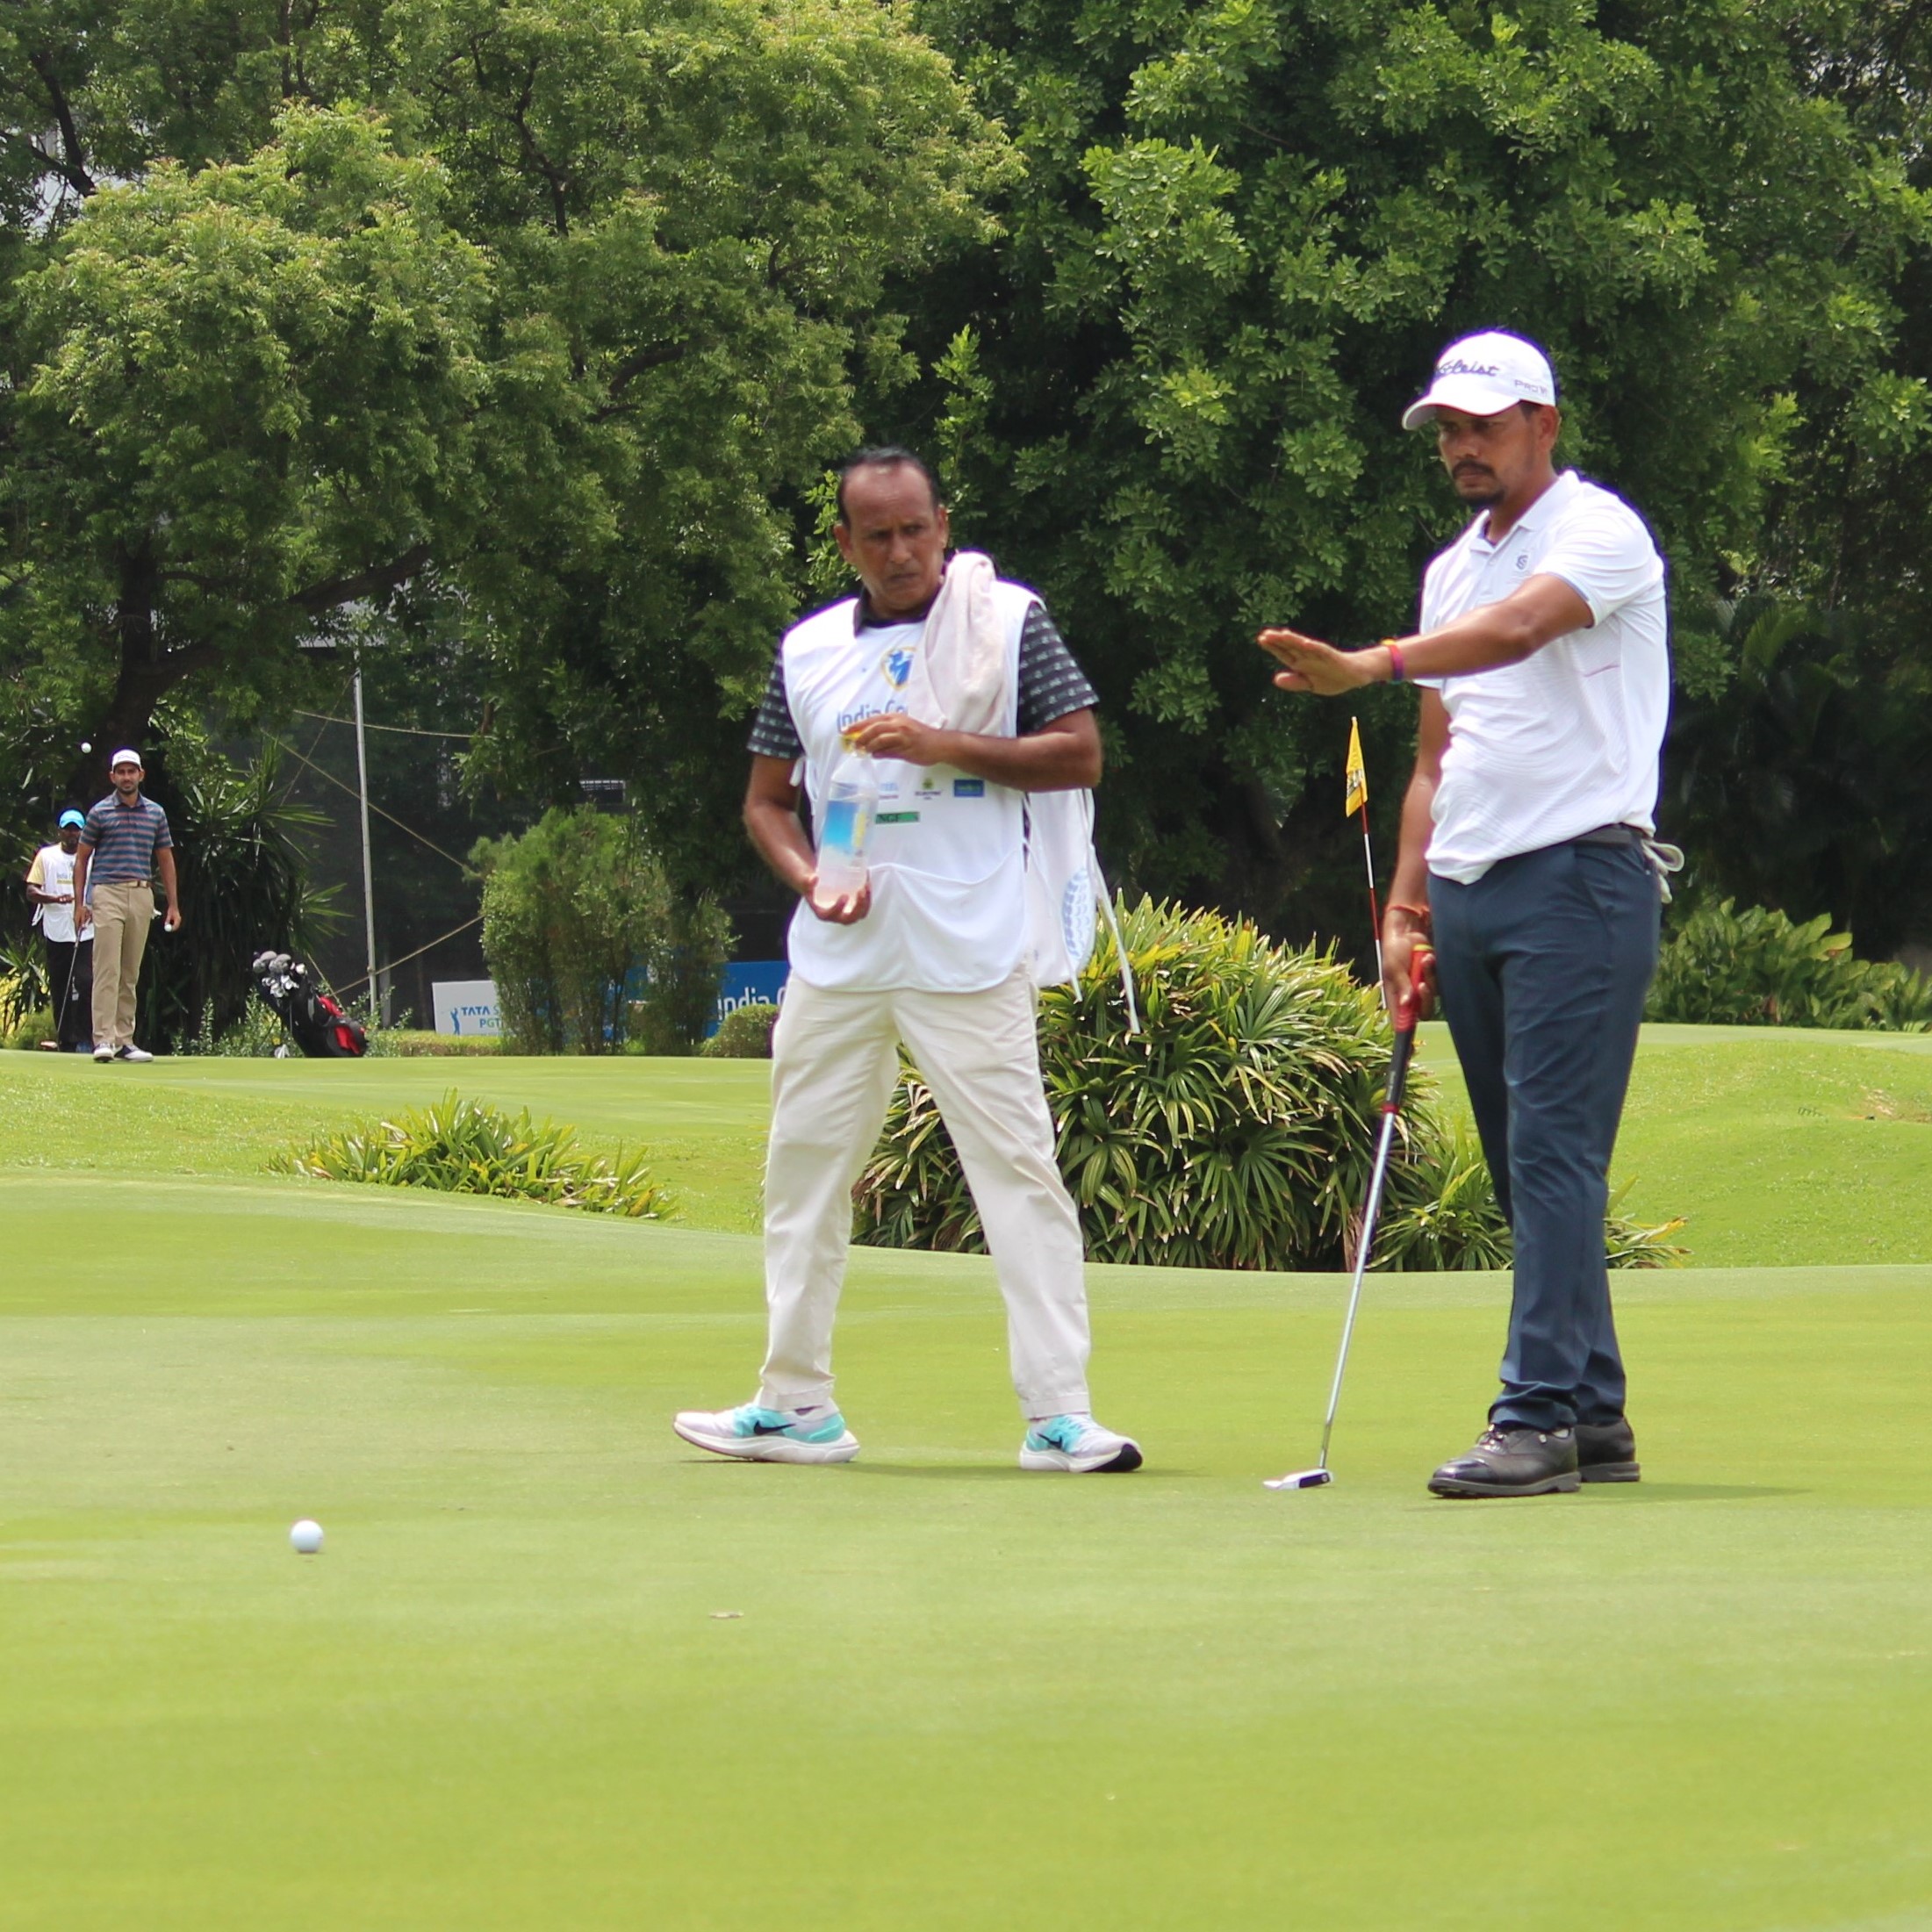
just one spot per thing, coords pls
(1472, 470)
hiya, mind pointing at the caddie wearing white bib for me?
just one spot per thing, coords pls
(962, 690)
(1528, 846)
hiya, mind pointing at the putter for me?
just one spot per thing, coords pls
(67, 992)
(1408, 1010)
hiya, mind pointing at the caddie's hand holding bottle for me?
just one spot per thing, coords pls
(851, 799)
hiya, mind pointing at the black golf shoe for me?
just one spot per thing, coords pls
(1606, 1452)
(1511, 1460)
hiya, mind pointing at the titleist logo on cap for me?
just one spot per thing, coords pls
(1461, 365)
(1484, 374)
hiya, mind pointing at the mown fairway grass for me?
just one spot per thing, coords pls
(1780, 1148)
(955, 1696)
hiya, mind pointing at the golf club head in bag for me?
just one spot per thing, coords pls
(1408, 1011)
(313, 1018)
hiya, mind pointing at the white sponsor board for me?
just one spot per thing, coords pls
(465, 1006)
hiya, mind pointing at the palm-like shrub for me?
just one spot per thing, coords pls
(1236, 1129)
(1756, 968)
(468, 1146)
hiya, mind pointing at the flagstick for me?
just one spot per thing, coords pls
(1358, 786)
(1375, 911)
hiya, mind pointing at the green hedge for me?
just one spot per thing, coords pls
(1756, 968)
(745, 1033)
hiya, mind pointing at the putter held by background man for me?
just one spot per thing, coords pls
(1527, 845)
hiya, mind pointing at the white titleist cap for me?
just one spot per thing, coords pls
(1484, 375)
(124, 756)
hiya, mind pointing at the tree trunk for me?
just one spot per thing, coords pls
(148, 671)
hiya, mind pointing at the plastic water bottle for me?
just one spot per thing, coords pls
(852, 798)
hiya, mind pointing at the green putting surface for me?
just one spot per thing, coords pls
(952, 1696)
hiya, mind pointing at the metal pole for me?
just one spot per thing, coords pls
(369, 876)
(1365, 1242)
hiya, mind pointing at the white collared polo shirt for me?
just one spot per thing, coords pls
(1569, 739)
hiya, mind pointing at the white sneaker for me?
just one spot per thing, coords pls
(756, 1435)
(1077, 1445)
(132, 1053)
(103, 1054)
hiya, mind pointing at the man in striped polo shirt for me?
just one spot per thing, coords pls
(124, 845)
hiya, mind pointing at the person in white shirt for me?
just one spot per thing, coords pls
(930, 950)
(1528, 854)
(69, 938)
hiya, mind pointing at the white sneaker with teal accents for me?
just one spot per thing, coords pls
(1078, 1446)
(756, 1435)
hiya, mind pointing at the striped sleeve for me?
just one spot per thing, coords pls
(773, 734)
(1052, 683)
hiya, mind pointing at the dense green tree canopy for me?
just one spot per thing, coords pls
(1244, 232)
(527, 330)
(525, 325)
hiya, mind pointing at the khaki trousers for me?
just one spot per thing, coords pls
(123, 913)
(835, 1063)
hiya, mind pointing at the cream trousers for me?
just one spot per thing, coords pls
(835, 1063)
(122, 915)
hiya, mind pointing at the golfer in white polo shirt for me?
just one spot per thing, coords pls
(1527, 846)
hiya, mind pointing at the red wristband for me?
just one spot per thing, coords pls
(1396, 674)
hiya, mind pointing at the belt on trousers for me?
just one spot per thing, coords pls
(120, 881)
(1661, 859)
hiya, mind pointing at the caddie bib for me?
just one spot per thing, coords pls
(947, 854)
(56, 922)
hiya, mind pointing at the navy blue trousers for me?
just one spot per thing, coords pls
(1543, 965)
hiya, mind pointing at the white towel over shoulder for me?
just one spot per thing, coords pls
(959, 680)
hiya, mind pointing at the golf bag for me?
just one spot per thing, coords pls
(319, 1025)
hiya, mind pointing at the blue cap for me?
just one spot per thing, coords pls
(72, 817)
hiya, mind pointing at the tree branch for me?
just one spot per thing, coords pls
(559, 182)
(73, 170)
(658, 355)
(376, 580)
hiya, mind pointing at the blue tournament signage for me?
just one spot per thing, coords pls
(750, 982)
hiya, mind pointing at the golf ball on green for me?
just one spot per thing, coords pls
(306, 1537)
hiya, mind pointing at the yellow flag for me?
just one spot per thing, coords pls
(1357, 772)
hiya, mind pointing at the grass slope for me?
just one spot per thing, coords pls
(954, 1698)
(703, 1121)
(1780, 1147)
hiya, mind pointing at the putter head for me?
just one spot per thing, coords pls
(1300, 1479)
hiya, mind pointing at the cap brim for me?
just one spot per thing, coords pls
(1470, 394)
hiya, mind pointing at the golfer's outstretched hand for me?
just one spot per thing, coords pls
(1313, 665)
(846, 909)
